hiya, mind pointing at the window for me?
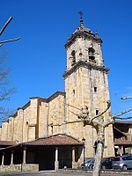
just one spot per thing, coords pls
(73, 57)
(91, 53)
(97, 111)
(73, 91)
(95, 89)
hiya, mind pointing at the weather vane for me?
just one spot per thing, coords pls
(81, 18)
(2, 30)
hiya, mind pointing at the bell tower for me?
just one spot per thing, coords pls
(86, 84)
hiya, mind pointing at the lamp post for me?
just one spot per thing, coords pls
(83, 140)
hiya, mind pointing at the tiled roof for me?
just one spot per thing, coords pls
(123, 122)
(7, 143)
(122, 142)
(59, 139)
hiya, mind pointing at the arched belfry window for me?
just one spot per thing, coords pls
(73, 54)
(91, 53)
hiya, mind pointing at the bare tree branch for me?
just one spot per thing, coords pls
(122, 113)
(5, 25)
(108, 106)
(125, 118)
(112, 120)
(3, 75)
(10, 40)
(125, 98)
(66, 122)
(4, 95)
(108, 122)
(73, 107)
(74, 113)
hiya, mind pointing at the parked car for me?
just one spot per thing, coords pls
(107, 163)
(88, 164)
(122, 162)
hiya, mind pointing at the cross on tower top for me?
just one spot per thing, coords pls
(81, 18)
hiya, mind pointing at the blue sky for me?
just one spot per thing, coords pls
(38, 61)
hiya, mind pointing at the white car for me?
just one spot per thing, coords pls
(122, 162)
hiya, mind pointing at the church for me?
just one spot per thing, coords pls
(45, 132)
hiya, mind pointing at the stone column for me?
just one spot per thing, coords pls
(2, 163)
(56, 159)
(121, 150)
(73, 158)
(131, 150)
(24, 156)
(12, 158)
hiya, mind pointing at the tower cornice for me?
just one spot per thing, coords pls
(84, 33)
(85, 65)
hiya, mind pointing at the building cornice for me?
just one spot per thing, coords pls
(85, 65)
(83, 34)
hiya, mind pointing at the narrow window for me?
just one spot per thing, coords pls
(73, 57)
(91, 53)
(73, 91)
(95, 89)
(97, 111)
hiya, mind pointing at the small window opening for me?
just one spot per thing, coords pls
(95, 89)
(73, 91)
(97, 111)
(80, 54)
(73, 57)
(91, 53)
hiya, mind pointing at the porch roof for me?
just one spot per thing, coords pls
(58, 139)
(7, 143)
(54, 140)
(123, 142)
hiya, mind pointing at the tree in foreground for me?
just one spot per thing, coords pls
(99, 123)
(4, 90)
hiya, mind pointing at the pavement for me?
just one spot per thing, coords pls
(70, 173)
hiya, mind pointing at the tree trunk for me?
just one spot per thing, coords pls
(99, 152)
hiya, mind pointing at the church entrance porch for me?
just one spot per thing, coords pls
(50, 153)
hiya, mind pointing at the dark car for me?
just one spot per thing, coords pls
(88, 164)
(107, 163)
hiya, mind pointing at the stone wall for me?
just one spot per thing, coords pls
(56, 115)
(10, 129)
(34, 120)
(4, 131)
(80, 93)
(43, 119)
(20, 168)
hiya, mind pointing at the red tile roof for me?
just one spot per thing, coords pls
(124, 122)
(7, 143)
(58, 139)
(122, 142)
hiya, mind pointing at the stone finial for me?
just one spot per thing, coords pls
(97, 35)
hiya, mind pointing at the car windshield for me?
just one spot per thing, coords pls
(88, 161)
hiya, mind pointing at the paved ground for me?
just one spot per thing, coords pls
(69, 173)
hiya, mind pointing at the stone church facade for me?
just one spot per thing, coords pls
(86, 84)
